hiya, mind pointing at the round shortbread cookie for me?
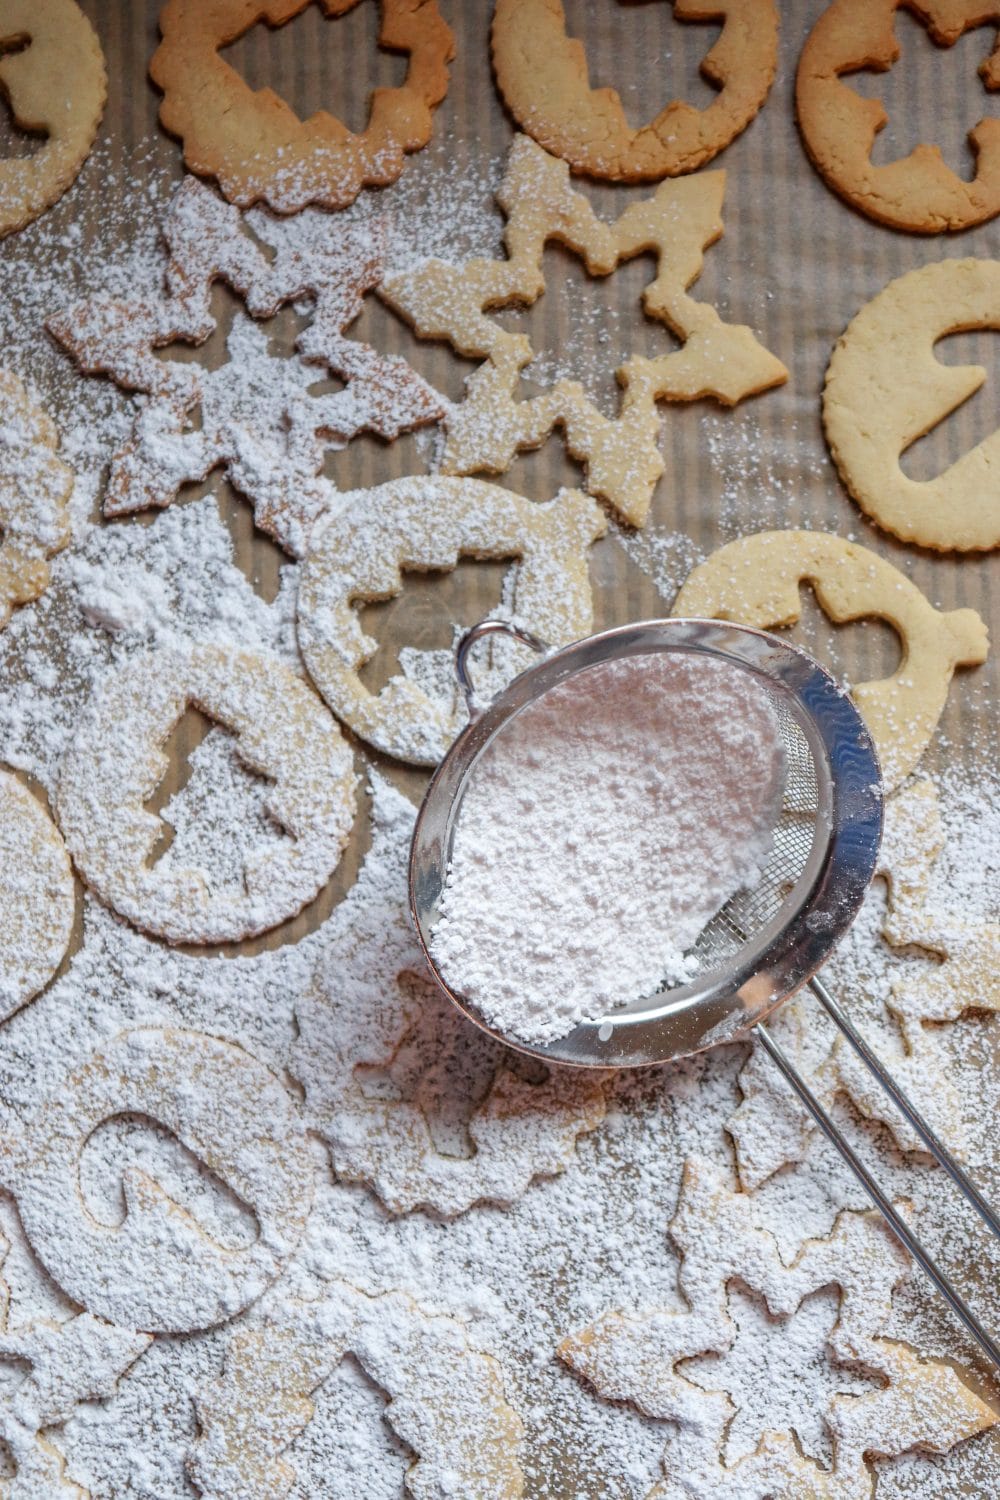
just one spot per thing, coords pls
(158, 1271)
(885, 387)
(58, 84)
(254, 144)
(117, 759)
(358, 553)
(542, 74)
(36, 896)
(755, 581)
(918, 192)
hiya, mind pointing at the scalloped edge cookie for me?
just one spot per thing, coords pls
(543, 77)
(254, 144)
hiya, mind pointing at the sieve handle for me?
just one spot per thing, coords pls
(883, 1203)
(477, 633)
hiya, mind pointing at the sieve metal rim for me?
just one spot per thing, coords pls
(719, 1006)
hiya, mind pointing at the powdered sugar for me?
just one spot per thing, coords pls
(600, 832)
(516, 1279)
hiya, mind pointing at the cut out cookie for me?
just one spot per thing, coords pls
(923, 1404)
(57, 84)
(255, 416)
(918, 192)
(35, 487)
(389, 1066)
(755, 581)
(542, 74)
(358, 553)
(117, 759)
(446, 1399)
(254, 144)
(491, 425)
(158, 1270)
(885, 387)
(37, 896)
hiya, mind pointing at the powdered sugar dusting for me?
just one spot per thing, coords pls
(586, 1233)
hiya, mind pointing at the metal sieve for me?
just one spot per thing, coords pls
(765, 943)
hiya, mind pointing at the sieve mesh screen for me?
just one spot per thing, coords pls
(743, 916)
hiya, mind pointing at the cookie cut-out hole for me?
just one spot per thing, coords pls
(345, 61)
(923, 71)
(211, 804)
(16, 140)
(255, 553)
(870, 645)
(189, 732)
(137, 1141)
(640, 48)
(426, 615)
(969, 424)
(577, 312)
(541, 472)
(225, 307)
(385, 330)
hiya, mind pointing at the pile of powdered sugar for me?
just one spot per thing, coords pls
(602, 830)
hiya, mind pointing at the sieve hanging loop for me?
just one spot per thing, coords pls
(477, 633)
(766, 943)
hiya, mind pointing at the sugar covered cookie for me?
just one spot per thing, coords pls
(755, 581)
(67, 1365)
(621, 455)
(158, 1271)
(255, 415)
(645, 1357)
(446, 1398)
(359, 551)
(57, 84)
(36, 896)
(117, 759)
(35, 487)
(543, 77)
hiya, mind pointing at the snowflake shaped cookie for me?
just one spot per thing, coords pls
(916, 1403)
(254, 416)
(491, 425)
(769, 1129)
